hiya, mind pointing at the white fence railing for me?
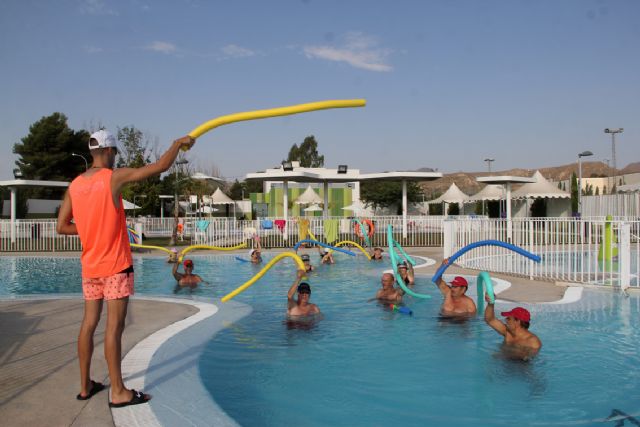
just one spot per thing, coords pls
(573, 250)
(35, 236)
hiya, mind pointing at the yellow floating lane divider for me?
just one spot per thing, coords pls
(349, 242)
(261, 273)
(215, 248)
(275, 112)
(136, 245)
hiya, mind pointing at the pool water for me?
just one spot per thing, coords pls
(364, 365)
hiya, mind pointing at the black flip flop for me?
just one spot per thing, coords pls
(137, 398)
(95, 389)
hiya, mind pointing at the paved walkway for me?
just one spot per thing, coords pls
(39, 372)
(38, 364)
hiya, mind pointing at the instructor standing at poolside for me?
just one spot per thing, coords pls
(94, 203)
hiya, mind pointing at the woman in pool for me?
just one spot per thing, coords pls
(186, 279)
(325, 256)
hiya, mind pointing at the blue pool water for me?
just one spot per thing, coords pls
(363, 365)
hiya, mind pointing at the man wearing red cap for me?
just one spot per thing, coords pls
(456, 303)
(521, 343)
(186, 279)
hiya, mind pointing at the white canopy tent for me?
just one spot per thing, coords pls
(219, 198)
(127, 205)
(489, 192)
(452, 195)
(629, 188)
(309, 197)
(558, 204)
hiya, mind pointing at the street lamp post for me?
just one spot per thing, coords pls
(86, 164)
(489, 163)
(613, 132)
(580, 156)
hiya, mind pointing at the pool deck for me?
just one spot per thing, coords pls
(38, 336)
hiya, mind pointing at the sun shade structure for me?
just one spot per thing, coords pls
(452, 195)
(540, 188)
(127, 205)
(309, 197)
(489, 192)
(219, 198)
(313, 208)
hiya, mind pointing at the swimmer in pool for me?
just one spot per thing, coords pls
(406, 272)
(456, 303)
(388, 293)
(186, 279)
(256, 254)
(325, 256)
(376, 255)
(518, 341)
(307, 263)
(300, 306)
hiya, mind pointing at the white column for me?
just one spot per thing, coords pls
(285, 202)
(624, 255)
(14, 192)
(325, 208)
(404, 209)
(509, 231)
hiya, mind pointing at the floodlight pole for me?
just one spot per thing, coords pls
(613, 132)
(580, 156)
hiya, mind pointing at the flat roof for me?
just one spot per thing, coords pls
(33, 183)
(332, 175)
(505, 179)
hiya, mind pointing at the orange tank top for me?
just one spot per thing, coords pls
(101, 226)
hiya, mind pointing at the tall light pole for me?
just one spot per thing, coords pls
(613, 132)
(86, 164)
(176, 209)
(489, 163)
(580, 156)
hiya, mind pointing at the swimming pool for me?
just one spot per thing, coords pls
(365, 365)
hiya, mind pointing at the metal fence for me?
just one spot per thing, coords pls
(572, 250)
(575, 250)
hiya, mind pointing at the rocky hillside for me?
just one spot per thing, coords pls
(468, 184)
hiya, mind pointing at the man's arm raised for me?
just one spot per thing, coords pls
(490, 318)
(123, 176)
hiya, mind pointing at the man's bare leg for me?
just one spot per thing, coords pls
(92, 311)
(116, 315)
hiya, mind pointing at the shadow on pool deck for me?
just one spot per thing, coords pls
(38, 363)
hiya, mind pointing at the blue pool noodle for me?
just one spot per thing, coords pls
(474, 245)
(315, 242)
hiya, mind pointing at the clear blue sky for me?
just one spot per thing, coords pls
(448, 83)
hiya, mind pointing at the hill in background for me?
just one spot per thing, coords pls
(466, 181)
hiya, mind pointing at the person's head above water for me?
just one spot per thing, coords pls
(304, 288)
(519, 313)
(459, 281)
(402, 265)
(387, 280)
(188, 263)
(304, 258)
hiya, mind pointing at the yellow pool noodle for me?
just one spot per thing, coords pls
(261, 273)
(215, 248)
(275, 112)
(349, 242)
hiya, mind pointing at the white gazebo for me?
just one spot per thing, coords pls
(452, 195)
(309, 197)
(543, 189)
(506, 181)
(490, 192)
(219, 198)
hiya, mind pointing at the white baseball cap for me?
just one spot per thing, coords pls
(104, 138)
